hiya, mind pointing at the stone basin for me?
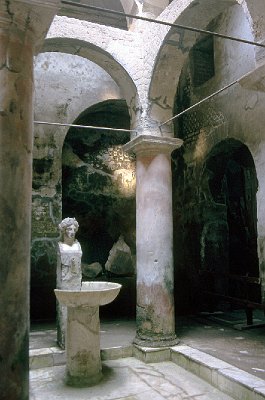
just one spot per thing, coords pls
(92, 294)
(83, 363)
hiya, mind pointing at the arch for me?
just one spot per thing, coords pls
(208, 212)
(93, 16)
(229, 231)
(176, 45)
(255, 10)
(100, 57)
(98, 188)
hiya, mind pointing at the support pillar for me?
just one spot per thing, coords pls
(155, 316)
(17, 44)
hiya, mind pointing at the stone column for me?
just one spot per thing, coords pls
(155, 317)
(17, 42)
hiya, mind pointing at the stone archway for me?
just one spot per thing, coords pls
(100, 57)
(111, 81)
(229, 228)
(73, 11)
(177, 43)
(215, 227)
(98, 189)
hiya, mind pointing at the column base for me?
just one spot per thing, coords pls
(83, 381)
(156, 342)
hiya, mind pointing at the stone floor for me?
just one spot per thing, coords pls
(243, 352)
(220, 335)
(128, 379)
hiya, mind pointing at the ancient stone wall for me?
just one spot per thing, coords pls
(143, 67)
(65, 86)
(201, 217)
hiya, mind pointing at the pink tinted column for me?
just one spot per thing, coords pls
(155, 315)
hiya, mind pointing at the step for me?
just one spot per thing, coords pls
(54, 356)
(238, 384)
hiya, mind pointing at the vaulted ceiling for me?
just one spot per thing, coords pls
(99, 17)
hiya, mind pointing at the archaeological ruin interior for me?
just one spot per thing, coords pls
(145, 122)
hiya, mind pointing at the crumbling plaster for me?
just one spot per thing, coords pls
(169, 62)
(145, 64)
(148, 53)
(238, 108)
(117, 51)
(71, 84)
(65, 86)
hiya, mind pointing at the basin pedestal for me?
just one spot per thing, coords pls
(83, 362)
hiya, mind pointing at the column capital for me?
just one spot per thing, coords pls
(149, 144)
(28, 18)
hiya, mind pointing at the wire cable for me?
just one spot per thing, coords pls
(198, 103)
(84, 126)
(203, 100)
(156, 21)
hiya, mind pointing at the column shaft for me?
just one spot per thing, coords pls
(155, 315)
(16, 117)
(23, 24)
(155, 285)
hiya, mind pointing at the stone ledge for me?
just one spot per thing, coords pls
(151, 354)
(114, 353)
(53, 356)
(231, 380)
(47, 357)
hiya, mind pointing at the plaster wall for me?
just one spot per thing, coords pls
(146, 54)
(243, 107)
(236, 113)
(143, 66)
(65, 86)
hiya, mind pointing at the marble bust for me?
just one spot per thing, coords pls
(69, 273)
(69, 256)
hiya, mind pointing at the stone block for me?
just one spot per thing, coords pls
(40, 358)
(237, 383)
(230, 380)
(91, 271)
(151, 355)
(205, 373)
(179, 359)
(120, 259)
(114, 353)
(59, 356)
(259, 393)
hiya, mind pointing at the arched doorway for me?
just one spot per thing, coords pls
(98, 189)
(229, 259)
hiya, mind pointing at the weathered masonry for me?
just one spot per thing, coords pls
(180, 201)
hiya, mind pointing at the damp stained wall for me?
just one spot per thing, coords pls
(237, 115)
(65, 86)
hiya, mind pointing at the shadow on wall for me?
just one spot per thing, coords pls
(215, 229)
(43, 280)
(98, 189)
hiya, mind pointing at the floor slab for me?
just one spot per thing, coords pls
(126, 378)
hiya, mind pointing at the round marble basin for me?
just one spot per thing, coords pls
(92, 294)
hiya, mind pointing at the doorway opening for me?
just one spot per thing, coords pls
(229, 259)
(98, 189)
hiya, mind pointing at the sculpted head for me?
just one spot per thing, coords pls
(68, 228)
